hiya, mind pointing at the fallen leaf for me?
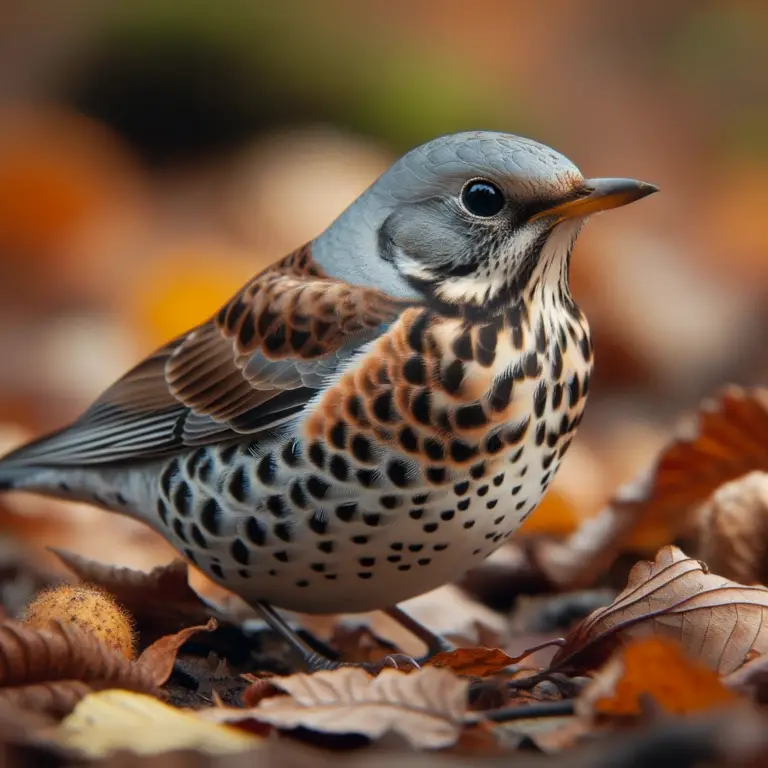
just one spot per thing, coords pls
(481, 662)
(717, 621)
(732, 530)
(157, 660)
(428, 708)
(727, 439)
(111, 721)
(53, 699)
(162, 597)
(654, 667)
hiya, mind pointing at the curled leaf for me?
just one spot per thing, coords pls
(715, 620)
(727, 439)
(55, 699)
(732, 530)
(157, 660)
(428, 708)
(482, 662)
(653, 667)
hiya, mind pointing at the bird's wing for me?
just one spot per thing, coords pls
(251, 368)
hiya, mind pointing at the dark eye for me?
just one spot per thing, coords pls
(482, 198)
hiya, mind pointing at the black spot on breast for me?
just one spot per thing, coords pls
(325, 546)
(530, 363)
(470, 416)
(491, 504)
(440, 547)
(409, 440)
(540, 398)
(418, 330)
(266, 469)
(429, 527)
(573, 390)
(397, 546)
(477, 471)
(541, 432)
(416, 513)
(239, 552)
(182, 499)
(498, 479)
(281, 556)
(403, 567)
(415, 547)
(162, 511)
(565, 425)
(394, 558)
(236, 484)
(420, 406)
(585, 384)
(359, 539)
(462, 346)
(501, 392)
(391, 501)
(291, 453)
(345, 512)
(516, 490)
(448, 514)
(215, 569)
(283, 531)
(452, 377)
(414, 370)
(383, 408)
(298, 497)
(255, 532)
(331, 576)
(355, 408)
(469, 524)
(194, 459)
(541, 337)
(397, 471)
(493, 443)
(463, 505)
(266, 319)
(434, 449)
(318, 523)
(461, 488)
(557, 363)
(317, 487)
(461, 451)
(557, 395)
(276, 506)
(518, 338)
(299, 338)
(515, 433)
(520, 504)
(517, 455)
(317, 567)
(361, 449)
(339, 468)
(316, 455)
(482, 490)
(367, 562)
(423, 561)
(585, 345)
(364, 575)
(487, 336)
(366, 477)
(204, 470)
(210, 516)
(436, 475)
(547, 460)
(302, 583)
(563, 448)
(338, 435)
(227, 453)
(197, 536)
(190, 555)
(420, 498)
(371, 518)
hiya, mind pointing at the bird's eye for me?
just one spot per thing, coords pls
(482, 198)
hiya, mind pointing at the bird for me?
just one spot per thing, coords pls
(372, 415)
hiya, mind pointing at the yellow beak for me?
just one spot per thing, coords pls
(601, 195)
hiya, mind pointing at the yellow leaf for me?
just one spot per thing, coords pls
(113, 720)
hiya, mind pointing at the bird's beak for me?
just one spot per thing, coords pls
(599, 195)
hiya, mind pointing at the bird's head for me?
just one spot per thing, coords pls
(466, 219)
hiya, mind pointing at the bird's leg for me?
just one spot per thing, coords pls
(317, 661)
(435, 644)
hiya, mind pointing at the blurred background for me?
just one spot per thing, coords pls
(154, 155)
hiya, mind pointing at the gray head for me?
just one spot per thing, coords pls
(466, 219)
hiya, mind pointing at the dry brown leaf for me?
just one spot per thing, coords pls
(64, 652)
(162, 597)
(653, 667)
(110, 721)
(716, 621)
(428, 708)
(157, 660)
(732, 530)
(728, 439)
(473, 662)
(55, 699)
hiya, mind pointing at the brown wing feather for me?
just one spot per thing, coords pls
(250, 368)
